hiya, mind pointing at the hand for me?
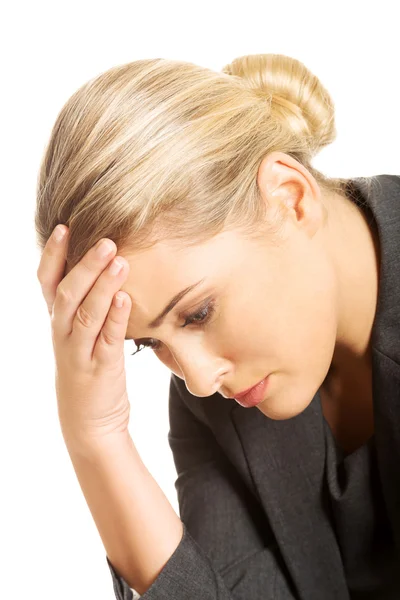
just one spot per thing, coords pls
(88, 333)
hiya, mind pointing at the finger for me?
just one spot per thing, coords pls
(77, 284)
(92, 313)
(110, 342)
(52, 265)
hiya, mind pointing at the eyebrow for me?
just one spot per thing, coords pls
(177, 298)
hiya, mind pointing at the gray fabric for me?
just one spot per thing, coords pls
(273, 509)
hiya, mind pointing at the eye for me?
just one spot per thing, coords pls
(153, 345)
(199, 318)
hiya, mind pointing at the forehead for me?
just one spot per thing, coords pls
(158, 273)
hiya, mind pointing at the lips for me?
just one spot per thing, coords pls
(256, 395)
(241, 394)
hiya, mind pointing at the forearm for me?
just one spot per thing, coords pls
(139, 528)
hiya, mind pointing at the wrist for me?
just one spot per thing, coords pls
(89, 445)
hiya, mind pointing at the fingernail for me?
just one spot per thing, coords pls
(104, 247)
(59, 233)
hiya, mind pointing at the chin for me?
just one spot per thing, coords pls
(281, 411)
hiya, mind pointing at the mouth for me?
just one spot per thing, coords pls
(255, 395)
(244, 392)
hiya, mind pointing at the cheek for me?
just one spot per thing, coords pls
(292, 325)
(309, 339)
(304, 340)
(300, 359)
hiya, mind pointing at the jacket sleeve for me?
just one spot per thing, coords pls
(224, 553)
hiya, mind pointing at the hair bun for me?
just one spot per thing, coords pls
(296, 97)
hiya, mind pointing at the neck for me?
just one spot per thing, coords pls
(355, 249)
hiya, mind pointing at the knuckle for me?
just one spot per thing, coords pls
(84, 317)
(109, 337)
(40, 276)
(63, 295)
(112, 317)
(87, 264)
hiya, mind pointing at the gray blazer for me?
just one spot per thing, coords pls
(272, 510)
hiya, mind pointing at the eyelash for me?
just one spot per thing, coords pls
(189, 319)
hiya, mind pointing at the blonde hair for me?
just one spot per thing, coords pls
(162, 149)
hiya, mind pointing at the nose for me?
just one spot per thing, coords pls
(203, 373)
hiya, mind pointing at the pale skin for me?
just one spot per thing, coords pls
(296, 309)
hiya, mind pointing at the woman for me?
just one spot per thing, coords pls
(242, 266)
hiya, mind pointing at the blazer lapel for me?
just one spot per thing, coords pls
(287, 462)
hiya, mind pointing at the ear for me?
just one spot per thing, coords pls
(287, 187)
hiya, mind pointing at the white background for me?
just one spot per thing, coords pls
(49, 545)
